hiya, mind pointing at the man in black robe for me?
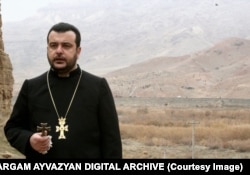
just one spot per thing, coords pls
(65, 112)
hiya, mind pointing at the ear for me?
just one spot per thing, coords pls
(78, 51)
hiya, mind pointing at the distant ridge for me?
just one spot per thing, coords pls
(221, 71)
(117, 34)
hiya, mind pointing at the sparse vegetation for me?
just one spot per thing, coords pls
(165, 132)
(222, 132)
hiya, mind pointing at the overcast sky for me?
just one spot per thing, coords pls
(16, 10)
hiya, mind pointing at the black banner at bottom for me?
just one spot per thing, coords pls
(126, 166)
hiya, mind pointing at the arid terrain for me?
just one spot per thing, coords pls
(154, 129)
(159, 128)
(179, 71)
(221, 71)
(158, 100)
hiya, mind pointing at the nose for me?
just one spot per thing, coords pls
(59, 49)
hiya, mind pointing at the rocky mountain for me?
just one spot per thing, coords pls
(118, 33)
(221, 71)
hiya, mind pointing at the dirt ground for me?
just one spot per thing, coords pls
(134, 150)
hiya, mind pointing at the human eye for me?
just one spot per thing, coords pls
(53, 45)
(66, 45)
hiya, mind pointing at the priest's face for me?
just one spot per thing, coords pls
(62, 51)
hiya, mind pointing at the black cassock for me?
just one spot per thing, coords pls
(93, 127)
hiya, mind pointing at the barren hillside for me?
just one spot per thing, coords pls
(221, 71)
(118, 33)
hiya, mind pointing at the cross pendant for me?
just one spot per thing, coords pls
(43, 128)
(62, 127)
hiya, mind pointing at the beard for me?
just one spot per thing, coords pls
(70, 64)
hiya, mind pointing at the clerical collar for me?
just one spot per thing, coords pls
(73, 73)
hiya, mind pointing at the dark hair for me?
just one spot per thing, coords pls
(64, 27)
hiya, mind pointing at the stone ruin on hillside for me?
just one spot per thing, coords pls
(6, 79)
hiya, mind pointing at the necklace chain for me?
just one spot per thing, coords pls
(73, 96)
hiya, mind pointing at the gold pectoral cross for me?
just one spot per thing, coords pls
(62, 127)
